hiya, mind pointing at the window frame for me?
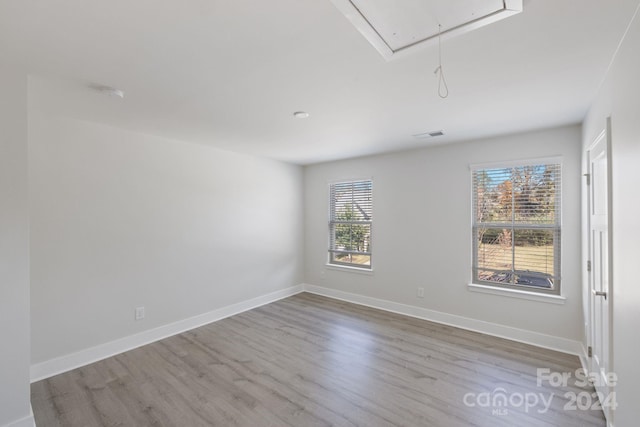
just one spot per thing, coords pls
(365, 268)
(555, 228)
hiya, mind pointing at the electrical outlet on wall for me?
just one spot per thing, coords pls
(139, 313)
(420, 292)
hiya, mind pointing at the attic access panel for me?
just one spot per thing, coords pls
(400, 26)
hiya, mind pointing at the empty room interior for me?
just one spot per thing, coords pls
(326, 213)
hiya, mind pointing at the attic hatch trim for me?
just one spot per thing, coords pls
(362, 24)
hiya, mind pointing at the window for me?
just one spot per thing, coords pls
(350, 220)
(516, 226)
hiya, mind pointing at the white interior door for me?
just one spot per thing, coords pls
(599, 275)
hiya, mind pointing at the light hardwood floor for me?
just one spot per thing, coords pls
(313, 361)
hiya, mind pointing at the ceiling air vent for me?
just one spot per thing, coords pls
(429, 134)
(402, 26)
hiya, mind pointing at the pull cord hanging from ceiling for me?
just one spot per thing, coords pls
(443, 89)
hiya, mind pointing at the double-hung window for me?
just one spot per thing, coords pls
(350, 221)
(516, 226)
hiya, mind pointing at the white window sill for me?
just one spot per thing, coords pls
(349, 269)
(516, 293)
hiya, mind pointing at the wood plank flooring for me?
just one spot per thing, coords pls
(313, 361)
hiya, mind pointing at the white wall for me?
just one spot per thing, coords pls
(619, 98)
(14, 251)
(422, 230)
(120, 220)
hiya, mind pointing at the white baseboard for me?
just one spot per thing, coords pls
(528, 337)
(68, 362)
(28, 421)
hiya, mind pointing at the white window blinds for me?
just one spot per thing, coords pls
(350, 221)
(516, 226)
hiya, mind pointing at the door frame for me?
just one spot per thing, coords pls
(588, 298)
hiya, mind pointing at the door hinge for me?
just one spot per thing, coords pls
(589, 266)
(590, 351)
(588, 176)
